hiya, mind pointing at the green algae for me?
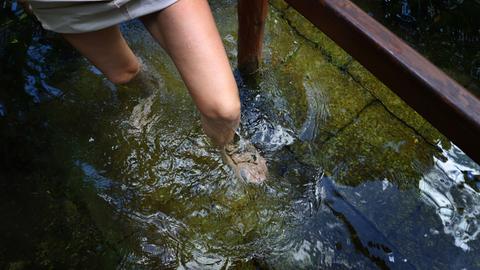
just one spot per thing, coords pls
(308, 79)
(396, 105)
(310, 35)
(377, 146)
(278, 4)
(317, 38)
(317, 67)
(280, 43)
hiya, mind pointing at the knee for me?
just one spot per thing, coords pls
(125, 74)
(228, 112)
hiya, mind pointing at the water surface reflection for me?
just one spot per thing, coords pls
(102, 176)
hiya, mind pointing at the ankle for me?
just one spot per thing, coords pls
(221, 133)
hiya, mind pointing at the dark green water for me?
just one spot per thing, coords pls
(447, 32)
(98, 176)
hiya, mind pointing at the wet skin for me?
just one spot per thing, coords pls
(248, 164)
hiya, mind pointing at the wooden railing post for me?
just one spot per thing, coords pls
(251, 24)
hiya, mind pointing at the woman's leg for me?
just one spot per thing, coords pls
(187, 31)
(108, 51)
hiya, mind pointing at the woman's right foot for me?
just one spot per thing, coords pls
(246, 161)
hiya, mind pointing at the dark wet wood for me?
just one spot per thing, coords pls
(443, 102)
(251, 24)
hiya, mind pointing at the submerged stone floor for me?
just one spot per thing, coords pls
(356, 129)
(361, 121)
(146, 191)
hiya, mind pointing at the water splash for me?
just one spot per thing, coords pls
(260, 124)
(317, 112)
(456, 202)
(36, 75)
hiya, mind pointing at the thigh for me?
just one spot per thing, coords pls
(108, 51)
(188, 33)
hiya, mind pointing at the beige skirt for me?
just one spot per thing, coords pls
(86, 16)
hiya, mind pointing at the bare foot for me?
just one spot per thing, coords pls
(246, 161)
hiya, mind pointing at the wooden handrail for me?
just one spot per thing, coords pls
(448, 106)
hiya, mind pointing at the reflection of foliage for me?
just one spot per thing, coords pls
(445, 31)
(10, 12)
(15, 27)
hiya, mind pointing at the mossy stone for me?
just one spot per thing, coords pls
(281, 42)
(311, 33)
(377, 146)
(395, 104)
(309, 80)
(278, 4)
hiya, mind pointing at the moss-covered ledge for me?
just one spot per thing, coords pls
(339, 58)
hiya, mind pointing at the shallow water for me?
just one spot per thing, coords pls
(100, 176)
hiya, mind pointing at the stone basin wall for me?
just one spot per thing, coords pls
(364, 129)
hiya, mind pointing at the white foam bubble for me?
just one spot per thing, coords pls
(458, 207)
